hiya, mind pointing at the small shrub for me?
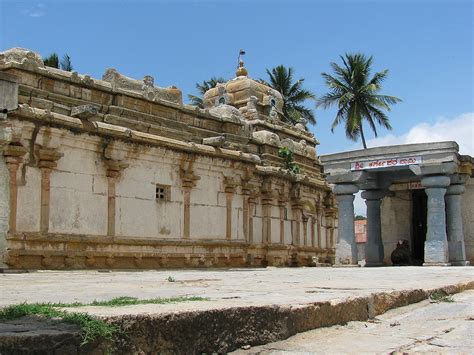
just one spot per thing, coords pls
(440, 296)
(287, 155)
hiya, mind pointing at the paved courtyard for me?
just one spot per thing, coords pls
(424, 327)
(225, 288)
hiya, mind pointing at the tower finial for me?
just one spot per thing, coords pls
(241, 71)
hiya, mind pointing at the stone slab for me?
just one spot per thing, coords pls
(424, 327)
(226, 288)
(246, 306)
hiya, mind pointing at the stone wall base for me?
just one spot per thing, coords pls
(53, 251)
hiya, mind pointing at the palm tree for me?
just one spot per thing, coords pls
(356, 95)
(202, 88)
(53, 61)
(294, 95)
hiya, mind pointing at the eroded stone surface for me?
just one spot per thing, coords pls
(247, 307)
(425, 327)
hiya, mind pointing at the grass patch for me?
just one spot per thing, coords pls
(440, 296)
(126, 301)
(91, 328)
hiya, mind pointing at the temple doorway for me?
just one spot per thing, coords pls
(419, 226)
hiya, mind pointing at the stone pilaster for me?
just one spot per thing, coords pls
(346, 248)
(245, 213)
(319, 213)
(297, 219)
(282, 205)
(304, 219)
(13, 157)
(267, 203)
(48, 158)
(188, 181)
(251, 201)
(436, 244)
(374, 252)
(297, 211)
(456, 248)
(331, 221)
(229, 185)
(114, 169)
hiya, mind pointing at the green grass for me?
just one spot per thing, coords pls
(91, 328)
(126, 301)
(440, 296)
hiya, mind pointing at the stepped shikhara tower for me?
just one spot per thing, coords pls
(119, 173)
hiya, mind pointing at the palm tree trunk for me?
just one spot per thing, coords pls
(362, 136)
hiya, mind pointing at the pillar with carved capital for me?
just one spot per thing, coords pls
(48, 158)
(346, 248)
(251, 201)
(282, 206)
(13, 157)
(297, 220)
(245, 212)
(187, 186)
(267, 203)
(304, 219)
(319, 216)
(188, 181)
(374, 252)
(229, 192)
(436, 244)
(114, 169)
(456, 248)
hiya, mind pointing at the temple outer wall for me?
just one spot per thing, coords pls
(77, 226)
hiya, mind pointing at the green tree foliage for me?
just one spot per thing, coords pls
(202, 88)
(66, 63)
(357, 96)
(53, 61)
(294, 95)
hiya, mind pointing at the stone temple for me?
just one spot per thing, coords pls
(119, 173)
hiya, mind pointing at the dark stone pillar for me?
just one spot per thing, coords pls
(374, 252)
(436, 244)
(456, 248)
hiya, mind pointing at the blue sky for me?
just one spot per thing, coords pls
(426, 45)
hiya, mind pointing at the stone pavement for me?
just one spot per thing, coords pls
(226, 288)
(245, 307)
(422, 327)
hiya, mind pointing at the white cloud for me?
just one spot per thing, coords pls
(459, 129)
(37, 10)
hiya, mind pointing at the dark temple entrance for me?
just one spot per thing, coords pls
(419, 226)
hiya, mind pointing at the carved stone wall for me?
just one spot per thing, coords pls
(119, 173)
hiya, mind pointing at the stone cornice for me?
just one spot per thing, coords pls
(86, 81)
(104, 129)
